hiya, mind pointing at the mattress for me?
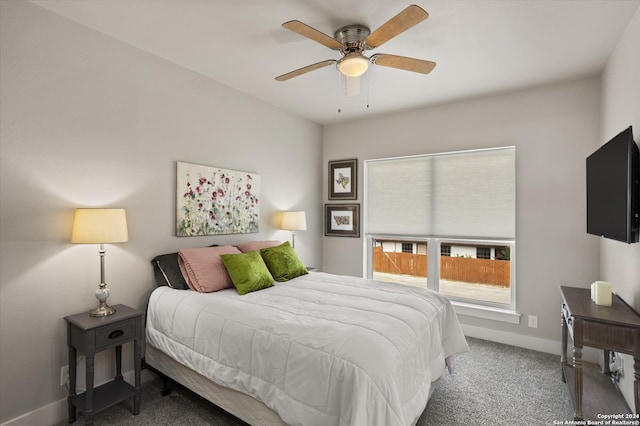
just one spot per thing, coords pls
(320, 349)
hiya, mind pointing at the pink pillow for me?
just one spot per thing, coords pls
(203, 269)
(257, 245)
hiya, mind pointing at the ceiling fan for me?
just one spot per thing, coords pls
(353, 40)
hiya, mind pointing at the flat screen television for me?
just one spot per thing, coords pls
(613, 189)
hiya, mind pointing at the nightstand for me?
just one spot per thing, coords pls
(94, 334)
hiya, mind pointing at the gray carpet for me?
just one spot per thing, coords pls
(493, 384)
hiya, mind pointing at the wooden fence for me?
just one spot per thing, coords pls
(469, 270)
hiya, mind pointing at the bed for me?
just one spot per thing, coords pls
(316, 349)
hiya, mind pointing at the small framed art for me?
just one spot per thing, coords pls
(343, 179)
(342, 220)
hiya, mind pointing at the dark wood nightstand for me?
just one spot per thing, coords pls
(94, 334)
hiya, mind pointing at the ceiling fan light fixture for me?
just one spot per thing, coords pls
(353, 65)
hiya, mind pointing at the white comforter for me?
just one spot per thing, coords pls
(320, 349)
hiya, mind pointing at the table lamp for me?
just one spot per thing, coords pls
(293, 221)
(100, 226)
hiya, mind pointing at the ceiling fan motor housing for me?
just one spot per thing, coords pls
(352, 37)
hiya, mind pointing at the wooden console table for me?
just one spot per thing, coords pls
(612, 328)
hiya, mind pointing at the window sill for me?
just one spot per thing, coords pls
(486, 312)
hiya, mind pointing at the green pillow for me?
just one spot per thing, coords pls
(283, 262)
(247, 271)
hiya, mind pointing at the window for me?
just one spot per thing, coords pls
(407, 247)
(483, 253)
(460, 207)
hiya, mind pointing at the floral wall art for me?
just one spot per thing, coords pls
(215, 201)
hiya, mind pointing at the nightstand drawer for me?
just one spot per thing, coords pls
(115, 334)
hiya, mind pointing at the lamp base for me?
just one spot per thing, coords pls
(102, 294)
(102, 310)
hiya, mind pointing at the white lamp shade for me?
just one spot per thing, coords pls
(353, 65)
(293, 221)
(98, 226)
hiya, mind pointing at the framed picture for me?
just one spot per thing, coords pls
(213, 201)
(342, 220)
(343, 179)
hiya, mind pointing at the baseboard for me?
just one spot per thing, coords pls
(528, 342)
(44, 416)
(513, 339)
(56, 411)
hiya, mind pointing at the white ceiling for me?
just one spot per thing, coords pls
(480, 46)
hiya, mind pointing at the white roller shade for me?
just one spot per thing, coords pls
(399, 196)
(462, 194)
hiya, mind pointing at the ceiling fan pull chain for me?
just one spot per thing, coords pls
(338, 93)
(368, 77)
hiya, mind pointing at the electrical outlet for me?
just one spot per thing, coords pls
(533, 321)
(64, 375)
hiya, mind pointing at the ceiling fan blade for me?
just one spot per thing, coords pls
(403, 63)
(313, 34)
(404, 20)
(305, 70)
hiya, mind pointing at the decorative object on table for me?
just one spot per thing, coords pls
(343, 179)
(293, 221)
(100, 226)
(215, 201)
(342, 220)
(601, 293)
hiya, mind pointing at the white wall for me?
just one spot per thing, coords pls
(619, 262)
(89, 121)
(554, 128)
